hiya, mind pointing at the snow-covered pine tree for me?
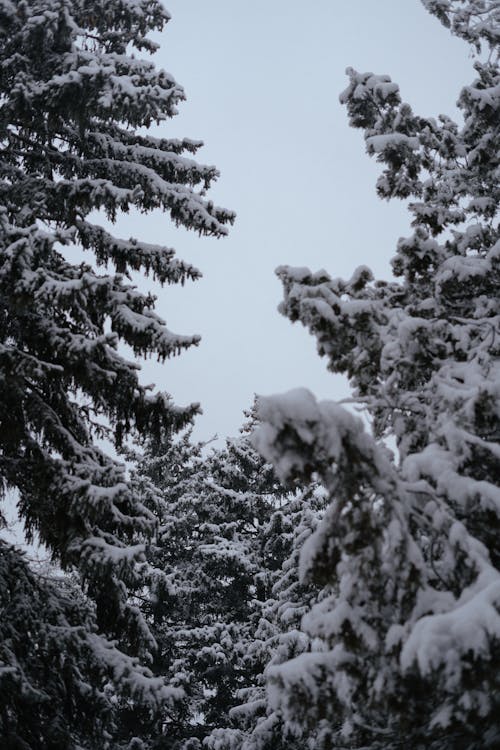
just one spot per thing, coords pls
(75, 99)
(217, 559)
(366, 564)
(49, 663)
(255, 723)
(407, 634)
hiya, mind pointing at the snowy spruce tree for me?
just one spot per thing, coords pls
(76, 98)
(406, 634)
(217, 556)
(255, 724)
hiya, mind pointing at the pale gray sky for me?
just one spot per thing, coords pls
(262, 81)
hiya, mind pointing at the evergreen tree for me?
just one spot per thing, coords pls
(406, 634)
(74, 101)
(49, 663)
(257, 724)
(217, 557)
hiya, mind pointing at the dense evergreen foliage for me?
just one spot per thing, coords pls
(74, 101)
(406, 635)
(256, 720)
(50, 662)
(217, 550)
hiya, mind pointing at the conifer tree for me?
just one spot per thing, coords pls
(256, 723)
(217, 554)
(50, 662)
(75, 100)
(406, 636)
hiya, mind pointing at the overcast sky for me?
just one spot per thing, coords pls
(262, 81)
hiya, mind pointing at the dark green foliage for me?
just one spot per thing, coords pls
(49, 668)
(219, 549)
(74, 100)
